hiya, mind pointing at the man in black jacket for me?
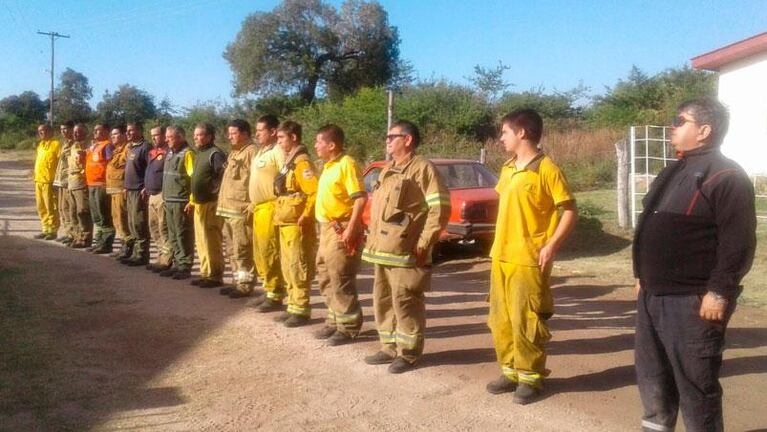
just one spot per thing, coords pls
(693, 244)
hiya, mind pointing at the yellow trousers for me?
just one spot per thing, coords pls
(266, 250)
(400, 309)
(208, 237)
(238, 233)
(297, 253)
(47, 208)
(520, 304)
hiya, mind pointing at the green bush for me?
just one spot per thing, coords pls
(16, 140)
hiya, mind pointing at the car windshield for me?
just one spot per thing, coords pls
(467, 175)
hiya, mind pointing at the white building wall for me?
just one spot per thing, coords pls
(743, 88)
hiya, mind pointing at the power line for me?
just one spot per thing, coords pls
(53, 36)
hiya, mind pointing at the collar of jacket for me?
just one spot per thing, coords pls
(699, 151)
(184, 146)
(402, 165)
(238, 150)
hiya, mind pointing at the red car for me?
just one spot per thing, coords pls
(473, 199)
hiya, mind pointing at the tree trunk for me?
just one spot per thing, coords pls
(308, 90)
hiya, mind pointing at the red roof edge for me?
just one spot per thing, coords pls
(714, 60)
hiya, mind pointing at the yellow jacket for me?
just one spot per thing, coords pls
(296, 189)
(46, 160)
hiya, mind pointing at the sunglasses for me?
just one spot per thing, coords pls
(392, 137)
(679, 121)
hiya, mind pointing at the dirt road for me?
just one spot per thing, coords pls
(89, 344)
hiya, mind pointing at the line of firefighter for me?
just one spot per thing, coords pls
(288, 224)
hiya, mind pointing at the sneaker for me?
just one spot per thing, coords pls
(196, 281)
(40, 236)
(137, 262)
(269, 305)
(339, 338)
(296, 321)
(168, 272)
(501, 385)
(526, 394)
(325, 332)
(225, 291)
(400, 365)
(379, 358)
(282, 317)
(182, 274)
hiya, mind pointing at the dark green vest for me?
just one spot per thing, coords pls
(175, 183)
(206, 177)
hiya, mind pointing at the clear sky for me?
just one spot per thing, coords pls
(173, 48)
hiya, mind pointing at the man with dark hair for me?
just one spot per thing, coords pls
(296, 190)
(65, 204)
(137, 159)
(529, 232)
(338, 208)
(77, 188)
(176, 191)
(46, 160)
(264, 169)
(158, 228)
(693, 244)
(209, 163)
(411, 206)
(116, 190)
(96, 161)
(233, 203)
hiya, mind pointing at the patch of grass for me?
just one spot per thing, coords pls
(589, 239)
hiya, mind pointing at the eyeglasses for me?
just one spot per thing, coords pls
(392, 137)
(679, 121)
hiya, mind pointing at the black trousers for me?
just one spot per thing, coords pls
(678, 357)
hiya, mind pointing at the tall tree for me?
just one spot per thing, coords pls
(305, 45)
(22, 111)
(72, 96)
(128, 103)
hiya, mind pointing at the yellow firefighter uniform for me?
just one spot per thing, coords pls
(233, 204)
(264, 169)
(63, 199)
(46, 160)
(410, 207)
(340, 185)
(520, 296)
(296, 189)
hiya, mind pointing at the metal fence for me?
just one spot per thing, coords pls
(650, 152)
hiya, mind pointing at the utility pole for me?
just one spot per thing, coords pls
(389, 117)
(53, 36)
